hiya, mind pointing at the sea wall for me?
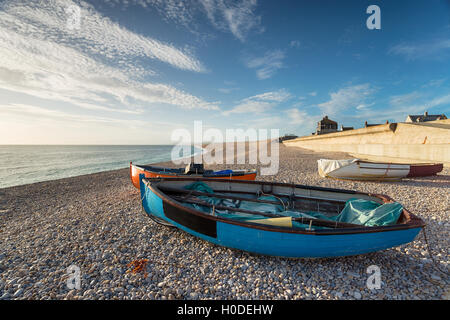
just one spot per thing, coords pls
(393, 142)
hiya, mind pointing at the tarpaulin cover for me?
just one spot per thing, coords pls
(357, 211)
(366, 213)
(327, 166)
(199, 186)
(222, 172)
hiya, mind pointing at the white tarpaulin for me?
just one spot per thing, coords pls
(327, 166)
(355, 169)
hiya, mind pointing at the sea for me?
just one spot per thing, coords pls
(24, 164)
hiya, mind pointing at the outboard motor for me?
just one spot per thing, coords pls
(194, 168)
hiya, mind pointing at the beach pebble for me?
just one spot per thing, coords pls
(18, 293)
(193, 295)
(5, 296)
(96, 223)
(435, 277)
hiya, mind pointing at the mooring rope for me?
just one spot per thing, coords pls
(431, 254)
(153, 218)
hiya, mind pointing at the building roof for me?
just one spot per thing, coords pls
(425, 117)
(326, 120)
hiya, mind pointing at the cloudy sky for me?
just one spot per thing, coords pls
(131, 72)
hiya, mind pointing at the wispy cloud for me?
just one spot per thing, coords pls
(436, 49)
(180, 12)
(434, 83)
(238, 17)
(267, 65)
(275, 96)
(438, 101)
(299, 121)
(39, 113)
(297, 117)
(47, 20)
(400, 106)
(230, 86)
(294, 44)
(416, 102)
(350, 35)
(364, 106)
(227, 90)
(235, 17)
(62, 127)
(404, 99)
(272, 122)
(260, 103)
(345, 98)
(89, 67)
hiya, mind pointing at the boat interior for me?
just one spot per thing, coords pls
(313, 206)
(192, 169)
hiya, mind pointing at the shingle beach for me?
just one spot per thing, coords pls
(96, 223)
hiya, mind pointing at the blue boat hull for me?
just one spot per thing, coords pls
(269, 242)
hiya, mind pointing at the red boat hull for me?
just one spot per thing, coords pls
(423, 170)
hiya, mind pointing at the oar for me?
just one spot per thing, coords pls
(316, 222)
(220, 196)
(278, 196)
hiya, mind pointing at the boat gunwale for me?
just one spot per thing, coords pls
(424, 164)
(411, 221)
(391, 169)
(181, 174)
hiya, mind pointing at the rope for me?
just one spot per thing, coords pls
(153, 218)
(387, 169)
(431, 255)
(267, 194)
(188, 195)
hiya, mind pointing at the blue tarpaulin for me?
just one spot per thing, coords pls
(222, 172)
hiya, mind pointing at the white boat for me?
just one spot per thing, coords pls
(355, 169)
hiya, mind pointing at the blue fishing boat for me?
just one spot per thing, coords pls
(279, 219)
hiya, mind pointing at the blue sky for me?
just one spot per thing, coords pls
(131, 72)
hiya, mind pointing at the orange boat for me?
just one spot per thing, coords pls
(192, 170)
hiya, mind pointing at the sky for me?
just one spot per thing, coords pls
(132, 72)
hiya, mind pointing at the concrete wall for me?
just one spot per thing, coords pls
(394, 142)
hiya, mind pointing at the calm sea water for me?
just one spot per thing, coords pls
(28, 164)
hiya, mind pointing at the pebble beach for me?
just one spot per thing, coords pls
(96, 223)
